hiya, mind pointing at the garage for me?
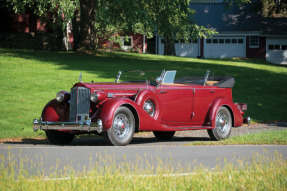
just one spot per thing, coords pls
(224, 47)
(276, 50)
(189, 49)
(182, 48)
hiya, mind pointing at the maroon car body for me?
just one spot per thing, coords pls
(117, 110)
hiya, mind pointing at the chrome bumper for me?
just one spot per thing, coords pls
(82, 126)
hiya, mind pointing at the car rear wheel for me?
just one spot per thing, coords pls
(223, 125)
(59, 137)
(164, 135)
(123, 128)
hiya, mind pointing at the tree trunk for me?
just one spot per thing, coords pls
(76, 29)
(169, 48)
(86, 10)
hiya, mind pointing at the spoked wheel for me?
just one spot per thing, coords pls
(163, 135)
(123, 128)
(223, 125)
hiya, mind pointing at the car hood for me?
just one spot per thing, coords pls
(113, 86)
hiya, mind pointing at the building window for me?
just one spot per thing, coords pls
(127, 43)
(254, 42)
(284, 47)
(182, 41)
(240, 41)
(227, 41)
(277, 47)
(221, 41)
(234, 41)
(215, 41)
(271, 47)
(208, 41)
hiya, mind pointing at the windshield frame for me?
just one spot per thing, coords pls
(141, 73)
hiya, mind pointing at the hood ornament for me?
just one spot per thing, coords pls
(80, 77)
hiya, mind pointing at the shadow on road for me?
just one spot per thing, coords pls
(99, 141)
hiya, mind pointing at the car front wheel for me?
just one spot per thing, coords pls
(123, 128)
(223, 125)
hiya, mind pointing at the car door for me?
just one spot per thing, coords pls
(203, 98)
(176, 104)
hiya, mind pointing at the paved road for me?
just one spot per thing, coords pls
(143, 150)
(47, 156)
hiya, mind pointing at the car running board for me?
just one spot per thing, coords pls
(179, 128)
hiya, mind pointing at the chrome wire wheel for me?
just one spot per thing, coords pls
(121, 125)
(223, 125)
(149, 107)
(222, 122)
(122, 129)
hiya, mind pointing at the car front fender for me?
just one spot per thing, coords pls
(145, 121)
(219, 102)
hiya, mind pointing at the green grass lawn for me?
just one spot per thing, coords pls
(259, 172)
(29, 79)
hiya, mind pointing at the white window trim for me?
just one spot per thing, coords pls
(250, 46)
(123, 41)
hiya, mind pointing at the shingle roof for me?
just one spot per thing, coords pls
(274, 26)
(243, 19)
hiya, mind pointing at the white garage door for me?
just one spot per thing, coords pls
(276, 50)
(183, 49)
(224, 47)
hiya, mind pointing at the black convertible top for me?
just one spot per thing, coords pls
(223, 81)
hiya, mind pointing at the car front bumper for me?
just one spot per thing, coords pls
(81, 126)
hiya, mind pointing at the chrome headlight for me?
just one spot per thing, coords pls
(62, 95)
(94, 97)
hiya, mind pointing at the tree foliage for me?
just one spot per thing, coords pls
(272, 8)
(94, 20)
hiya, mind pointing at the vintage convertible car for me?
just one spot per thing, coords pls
(118, 110)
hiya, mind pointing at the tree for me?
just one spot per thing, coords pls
(272, 8)
(96, 19)
(173, 21)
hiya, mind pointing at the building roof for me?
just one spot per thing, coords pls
(274, 26)
(236, 19)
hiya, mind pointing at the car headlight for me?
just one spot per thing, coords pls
(94, 97)
(62, 95)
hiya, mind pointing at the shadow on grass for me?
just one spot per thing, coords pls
(262, 89)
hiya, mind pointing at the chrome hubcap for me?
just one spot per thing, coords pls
(149, 107)
(222, 123)
(121, 125)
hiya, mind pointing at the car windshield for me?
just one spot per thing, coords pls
(139, 76)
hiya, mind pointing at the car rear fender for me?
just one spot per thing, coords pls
(143, 119)
(237, 118)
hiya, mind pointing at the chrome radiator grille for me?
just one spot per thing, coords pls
(79, 104)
